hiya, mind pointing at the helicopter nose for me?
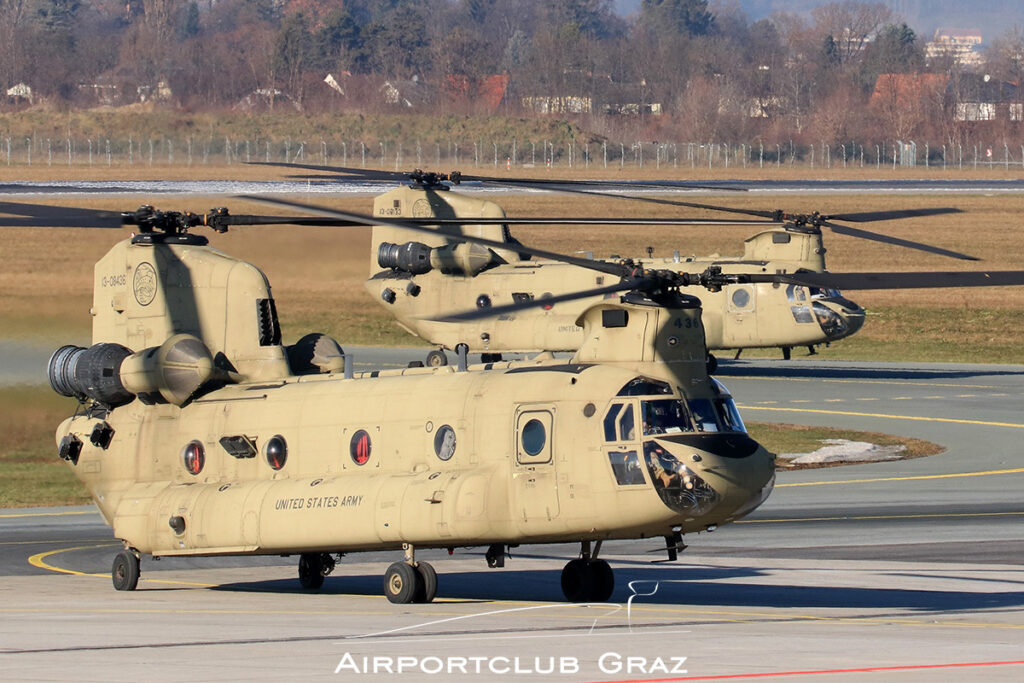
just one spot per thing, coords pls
(838, 318)
(717, 477)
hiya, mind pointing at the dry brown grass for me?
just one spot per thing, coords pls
(317, 273)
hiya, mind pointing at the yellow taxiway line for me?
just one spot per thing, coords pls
(885, 416)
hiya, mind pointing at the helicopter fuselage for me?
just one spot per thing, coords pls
(512, 454)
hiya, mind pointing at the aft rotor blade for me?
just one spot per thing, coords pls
(871, 216)
(46, 216)
(494, 311)
(920, 280)
(358, 173)
(361, 219)
(888, 239)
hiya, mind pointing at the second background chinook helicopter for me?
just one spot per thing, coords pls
(416, 277)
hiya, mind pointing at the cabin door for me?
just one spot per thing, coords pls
(534, 476)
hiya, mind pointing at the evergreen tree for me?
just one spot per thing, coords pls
(683, 17)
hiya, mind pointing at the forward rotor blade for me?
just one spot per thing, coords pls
(888, 239)
(243, 219)
(919, 280)
(539, 183)
(46, 216)
(595, 220)
(495, 311)
(361, 219)
(871, 216)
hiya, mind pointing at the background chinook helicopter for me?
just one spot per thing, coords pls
(416, 276)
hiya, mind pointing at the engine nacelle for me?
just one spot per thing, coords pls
(112, 375)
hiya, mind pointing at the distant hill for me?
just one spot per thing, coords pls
(991, 17)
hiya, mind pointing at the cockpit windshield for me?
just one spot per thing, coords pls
(665, 415)
(675, 416)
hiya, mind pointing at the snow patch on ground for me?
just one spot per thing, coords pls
(843, 450)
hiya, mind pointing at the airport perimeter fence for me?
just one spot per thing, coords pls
(507, 154)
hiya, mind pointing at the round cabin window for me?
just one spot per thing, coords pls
(359, 447)
(534, 437)
(741, 298)
(444, 442)
(194, 457)
(276, 452)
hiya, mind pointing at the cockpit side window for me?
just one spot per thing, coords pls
(796, 293)
(609, 421)
(627, 424)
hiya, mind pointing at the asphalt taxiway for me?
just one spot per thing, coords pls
(908, 569)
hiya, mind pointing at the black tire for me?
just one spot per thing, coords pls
(125, 571)
(577, 581)
(712, 364)
(311, 571)
(603, 581)
(429, 577)
(436, 359)
(402, 584)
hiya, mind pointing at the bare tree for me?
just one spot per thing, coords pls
(12, 20)
(851, 24)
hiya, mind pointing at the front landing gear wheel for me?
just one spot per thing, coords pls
(403, 584)
(429, 579)
(587, 581)
(125, 571)
(603, 581)
(437, 358)
(313, 567)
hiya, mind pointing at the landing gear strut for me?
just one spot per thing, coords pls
(588, 579)
(125, 571)
(410, 581)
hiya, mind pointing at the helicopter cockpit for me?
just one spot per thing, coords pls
(837, 316)
(645, 424)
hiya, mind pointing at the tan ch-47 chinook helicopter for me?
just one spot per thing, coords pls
(418, 277)
(199, 433)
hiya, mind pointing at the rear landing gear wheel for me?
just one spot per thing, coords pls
(437, 358)
(403, 584)
(125, 571)
(429, 580)
(712, 364)
(311, 570)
